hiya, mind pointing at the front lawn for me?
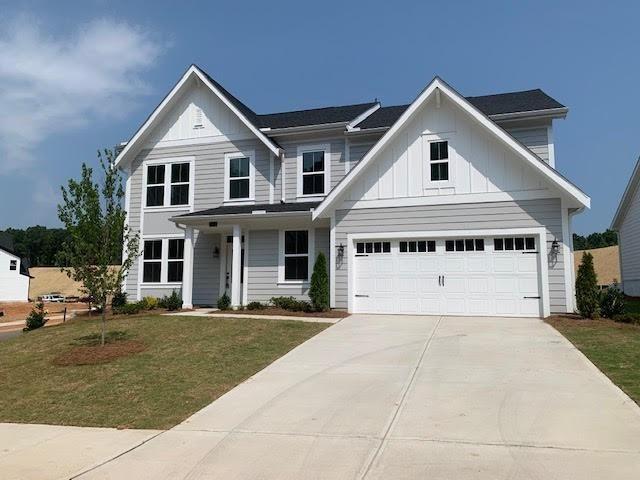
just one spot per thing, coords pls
(180, 365)
(613, 347)
(632, 304)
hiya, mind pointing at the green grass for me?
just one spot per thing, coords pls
(189, 362)
(632, 304)
(613, 347)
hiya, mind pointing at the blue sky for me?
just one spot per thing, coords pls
(78, 76)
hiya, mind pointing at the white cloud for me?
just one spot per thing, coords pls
(56, 83)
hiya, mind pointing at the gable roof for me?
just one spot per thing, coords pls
(23, 267)
(244, 113)
(627, 197)
(314, 116)
(439, 85)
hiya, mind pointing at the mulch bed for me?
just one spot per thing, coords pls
(94, 354)
(288, 313)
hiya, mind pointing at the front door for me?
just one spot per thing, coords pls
(229, 263)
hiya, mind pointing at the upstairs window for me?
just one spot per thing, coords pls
(239, 178)
(439, 161)
(296, 255)
(155, 185)
(180, 184)
(152, 261)
(313, 173)
(13, 264)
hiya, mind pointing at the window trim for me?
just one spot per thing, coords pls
(164, 261)
(326, 148)
(167, 162)
(427, 140)
(311, 253)
(251, 154)
(13, 265)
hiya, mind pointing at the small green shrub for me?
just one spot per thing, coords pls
(255, 306)
(611, 302)
(129, 308)
(118, 300)
(587, 295)
(319, 289)
(36, 318)
(631, 318)
(173, 302)
(224, 302)
(149, 303)
(292, 304)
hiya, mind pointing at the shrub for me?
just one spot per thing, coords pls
(130, 308)
(255, 306)
(118, 300)
(224, 302)
(611, 302)
(319, 289)
(36, 318)
(149, 303)
(173, 302)
(292, 304)
(587, 295)
(632, 318)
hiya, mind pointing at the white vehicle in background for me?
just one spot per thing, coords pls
(52, 298)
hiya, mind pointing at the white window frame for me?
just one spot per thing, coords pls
(167, 162)
(427, 141)
(164, 261)
(252, 177)
(281, 256)
(176, 260)
(326, 148)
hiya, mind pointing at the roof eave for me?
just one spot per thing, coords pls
(244, 216)
(551, 113)
(275, 132)
(626, 197)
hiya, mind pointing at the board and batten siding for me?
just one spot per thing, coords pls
(629, 239)
(473, 216)
(262, 261)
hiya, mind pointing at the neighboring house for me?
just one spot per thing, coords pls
(606, 262)
(14, 277)
(626, 222)
(448, 205)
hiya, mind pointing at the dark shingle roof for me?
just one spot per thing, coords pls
(526, 101)
(244, 209)
(314, 116)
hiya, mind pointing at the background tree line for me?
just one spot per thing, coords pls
(40, 246)
(595, 240)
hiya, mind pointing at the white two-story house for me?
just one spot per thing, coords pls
(447, 205)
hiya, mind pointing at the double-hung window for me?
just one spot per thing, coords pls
(168, 183)
(239, 177)
(175, 260)
(13, 264)
(314, 164)
(439, 161)
(296, 255)
(180, 184)
(152, 261)
(155, 185)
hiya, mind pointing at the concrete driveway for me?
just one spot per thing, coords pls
(384, 397)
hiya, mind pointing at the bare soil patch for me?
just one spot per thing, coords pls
(288, 313)
(94, 354)
(14, 311)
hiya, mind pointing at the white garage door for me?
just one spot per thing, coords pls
(452, 276)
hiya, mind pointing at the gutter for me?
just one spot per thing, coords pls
(274, 132)
(253, 214)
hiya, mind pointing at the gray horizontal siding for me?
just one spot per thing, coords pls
(529, 213)
(206, 269)
(629, 236)
(535, 139)
(262, 261)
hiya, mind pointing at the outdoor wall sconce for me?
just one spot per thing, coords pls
(555, 247)
(216, 252)
(340, 250)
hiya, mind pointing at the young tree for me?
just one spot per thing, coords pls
(95, 221)
(587, 295)
(319, 288)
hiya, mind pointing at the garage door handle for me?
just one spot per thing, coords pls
(533, 297)
(361, 255)
(362, 296)
(530, 253)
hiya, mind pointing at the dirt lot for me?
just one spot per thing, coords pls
(19, 310)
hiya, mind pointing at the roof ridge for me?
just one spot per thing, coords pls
(317, 108)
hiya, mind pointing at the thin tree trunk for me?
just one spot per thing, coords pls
(104, 323)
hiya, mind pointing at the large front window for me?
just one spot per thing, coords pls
(239, 178)
(168, 184)
(296, 255)
(313, 173)
(152, 260)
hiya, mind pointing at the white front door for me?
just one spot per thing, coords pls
(450, 276)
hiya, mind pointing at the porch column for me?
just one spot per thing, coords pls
(187, 269)
(235, 267)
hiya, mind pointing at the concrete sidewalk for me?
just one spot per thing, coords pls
(386, 397)
(49, 452)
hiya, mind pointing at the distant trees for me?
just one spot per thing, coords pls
(595, 240)
(38, 245)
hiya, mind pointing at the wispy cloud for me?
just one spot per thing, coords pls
(53, 83)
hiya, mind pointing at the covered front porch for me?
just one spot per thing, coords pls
(239, 250)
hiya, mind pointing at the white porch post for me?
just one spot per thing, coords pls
(235, 267)
(187, 271)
